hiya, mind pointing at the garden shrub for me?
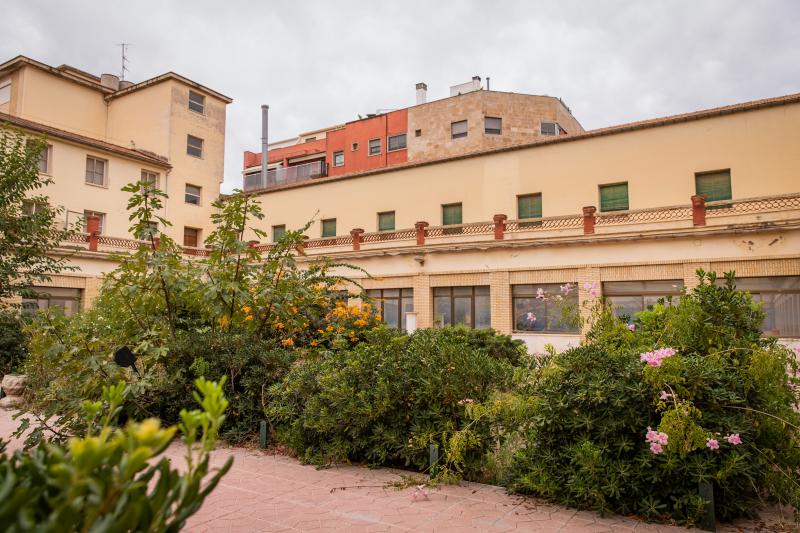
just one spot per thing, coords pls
(383, 401)
(13, 341)
(635, 420)
(250, 365)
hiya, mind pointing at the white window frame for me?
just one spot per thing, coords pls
(202, 103)
(199, 194)
(340, 152)
(105, 171)
(557, 129)
(197, 235)
(369, 147)
(389, 144)
(48, 153)
(495, 131)
(189, 145)
(460, 135)
(156, 175)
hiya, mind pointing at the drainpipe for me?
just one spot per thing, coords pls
(264, 158)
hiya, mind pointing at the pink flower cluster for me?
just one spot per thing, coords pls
(566, 288)
(592, 288)
(657, 440)
(712, 444)
(734, 439)
(655, 357)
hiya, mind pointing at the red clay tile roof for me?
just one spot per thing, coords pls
(141, 155)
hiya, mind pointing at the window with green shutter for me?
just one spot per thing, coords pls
(386, 221)
(614, 197)
(714, 186)
(451, 214)
(529, 206)
(278, 232)
(329, 227)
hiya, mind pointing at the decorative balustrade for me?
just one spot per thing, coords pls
(697, 214)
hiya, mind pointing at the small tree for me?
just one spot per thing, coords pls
(27, 222)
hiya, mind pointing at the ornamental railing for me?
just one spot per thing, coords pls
(698, 213)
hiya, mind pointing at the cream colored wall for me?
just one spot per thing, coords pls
(141, 119)
(63, 104)
(760, 148)
(70, 190)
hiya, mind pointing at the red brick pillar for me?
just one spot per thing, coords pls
(93, 229)
(356, 235)
(499, 227)
(301, 248)
(698, 210)
(420, 227)
(156, 242)
(588, 219)
(252, 244)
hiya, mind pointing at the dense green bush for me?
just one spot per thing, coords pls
(385, 400)
(112, 479)
(250, 365)
(721, 409)
(13, 342)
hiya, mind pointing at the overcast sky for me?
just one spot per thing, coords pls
(318, 63)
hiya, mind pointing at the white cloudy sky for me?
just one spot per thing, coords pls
(323, 62)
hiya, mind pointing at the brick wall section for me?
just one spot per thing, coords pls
(91, 291)
(585, 299)
(500, 295)
(690, 274)
(423, 304)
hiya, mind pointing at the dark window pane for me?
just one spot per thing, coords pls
(451, 214)
(458, 129)
(441, 311)
(462, 310)
(329, 227)
(386, 221)
(714, 186)
(614, 197)
(278, 232)
(483, 314)
(493, 125)
(529, 206)
(397, 142)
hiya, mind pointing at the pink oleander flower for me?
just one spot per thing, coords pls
(712, 444)
(566, 288)
(734, 439)
(656, 448)
(540, 293)
(420, 493)
(531, 317)
(665, 395)
(466, 401)
(656, 357)
(631, 327)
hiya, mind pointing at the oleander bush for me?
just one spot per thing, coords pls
(13, 341)
(634, 421)
(385, 400)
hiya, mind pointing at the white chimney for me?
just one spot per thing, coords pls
(464, 88)
(422, 93)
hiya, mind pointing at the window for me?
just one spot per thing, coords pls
(614, 197)
(374, 146)
(779, 297)
(417, 133)
(66, 300)
(192, 195)
(5, 92)
(30, 208)
(458, 129)
(631, 297)
(396, 142)
(451, 214)
(45, 160)
(153, 225)
(386, 221)
(191, 237)
(545, 308)
(393, 304)
(529, 206)
(715, 186)
(101, 216)
(493, 125)
(194, 146)
(461, 305)
(329, 227)
(338, 158)
(96, 171)
(549, 128)
(354, 147)
(197, 102)
(278, 232)
(309, 139)
(150, 178)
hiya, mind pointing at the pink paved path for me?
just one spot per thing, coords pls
(265, 492)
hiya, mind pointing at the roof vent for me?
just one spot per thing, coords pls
(463, 88)
(109, 81)
(124, 84)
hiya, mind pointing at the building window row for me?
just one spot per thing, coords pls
(392, 305)
(64, 300)
(469, 306)
(494, 126)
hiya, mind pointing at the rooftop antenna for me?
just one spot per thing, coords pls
(124, 47)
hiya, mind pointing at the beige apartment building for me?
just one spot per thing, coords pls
(103, 133)
(627, 212)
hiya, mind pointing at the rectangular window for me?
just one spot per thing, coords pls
(5, 92)
(31, 208)
(396, 142)
(278, 232)
(192, 195)
(632, 297)
(549, 128)
(462, 305)
(458, 129)
(338, 158)
(529, 206)
(150, 178)
(614, 197)
(191, 237)
(451, 214)
(68, 301)
(309, 139)
(354, 147)
(715, 186)
(329, 227)
(393, 304)
(101, 216)
(417, 133)
(493, 125)
(194, 146)
(45, 160)
(386, 221)
(96, 171)
(197, 102)
(545, 308)
(779, 297)
(154, 226)
(374, 146)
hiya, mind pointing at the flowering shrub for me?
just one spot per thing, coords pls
(385, 400)
(636, 419)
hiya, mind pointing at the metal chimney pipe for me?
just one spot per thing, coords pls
(264, 150)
